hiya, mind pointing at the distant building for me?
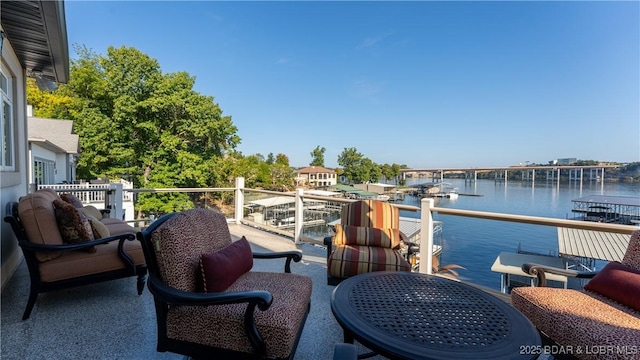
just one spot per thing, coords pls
(53, 151)
(567, 161)
(316, 176)
(377, 188)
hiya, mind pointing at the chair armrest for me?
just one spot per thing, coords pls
(173, 296)
(539, 271)
(294, 255)
(79, 246)
(121, 238)
(412, 247)
(262, 299)
(328, 242)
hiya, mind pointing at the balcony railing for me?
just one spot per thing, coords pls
(294, 214)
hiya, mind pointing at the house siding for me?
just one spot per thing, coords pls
(14, 184)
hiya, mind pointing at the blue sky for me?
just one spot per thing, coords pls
(426, 84)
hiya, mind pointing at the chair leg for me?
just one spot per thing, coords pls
(33, 295)
(141, 280)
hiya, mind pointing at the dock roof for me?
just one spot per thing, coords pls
(592, 244)
(611, 200)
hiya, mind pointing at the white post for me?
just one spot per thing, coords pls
(299, 216)
(426, 236)
(239, 199)
(533, 177)
(117, 206)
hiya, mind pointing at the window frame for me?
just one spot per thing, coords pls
(7, 123)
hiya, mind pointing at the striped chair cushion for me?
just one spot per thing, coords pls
(366, 236)
(371, 213)
(350, 260)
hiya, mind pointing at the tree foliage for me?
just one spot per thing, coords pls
(357, 168)
(317, 156)
(391, 172)
(136, 122)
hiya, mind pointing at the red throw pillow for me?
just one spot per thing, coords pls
(617, 282)
(223, 268)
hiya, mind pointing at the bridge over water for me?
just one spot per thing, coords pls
(528, 173)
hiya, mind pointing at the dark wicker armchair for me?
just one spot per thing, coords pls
(55, 265)
(244, 314)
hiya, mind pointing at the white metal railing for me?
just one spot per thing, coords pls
(106, 196)
(244, 196)
(427, 224)
(87, 193)
(90, 193)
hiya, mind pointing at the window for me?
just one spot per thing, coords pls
(7, 157)
(43, 171)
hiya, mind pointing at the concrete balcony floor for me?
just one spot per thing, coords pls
(110, 321)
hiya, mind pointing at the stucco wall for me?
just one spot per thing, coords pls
(13, 184)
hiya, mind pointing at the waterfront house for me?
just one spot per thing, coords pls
(316, 176)
(34, 43)
(53, 151)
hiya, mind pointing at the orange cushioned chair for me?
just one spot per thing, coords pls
(208, 302)
(64, 247)
(600, 322)
(367, 239)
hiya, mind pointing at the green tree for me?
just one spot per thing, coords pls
(370, 171)
(133, 119)
(350, 160)
(55, 104)
(385, 169)
(395, 172)
(270, 160)
(282, 175)
(282, 159)
(357, 168)
(317, 156)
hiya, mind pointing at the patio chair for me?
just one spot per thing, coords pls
(600, 322)
(208, 302)
(64, 249)
(367, 239)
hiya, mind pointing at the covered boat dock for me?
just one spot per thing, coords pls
(609, 209)
(586, 246)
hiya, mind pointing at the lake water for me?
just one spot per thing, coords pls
(475, 243)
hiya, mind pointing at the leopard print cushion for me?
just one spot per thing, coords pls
(222, 326)
(71, 199)
(73, 224)
(579, 319)
(632, 255)
(180, 241)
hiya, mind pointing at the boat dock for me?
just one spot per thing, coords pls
(609, 209)
(586, 246)
(439, 190)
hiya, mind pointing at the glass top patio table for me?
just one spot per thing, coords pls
(403, 315)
